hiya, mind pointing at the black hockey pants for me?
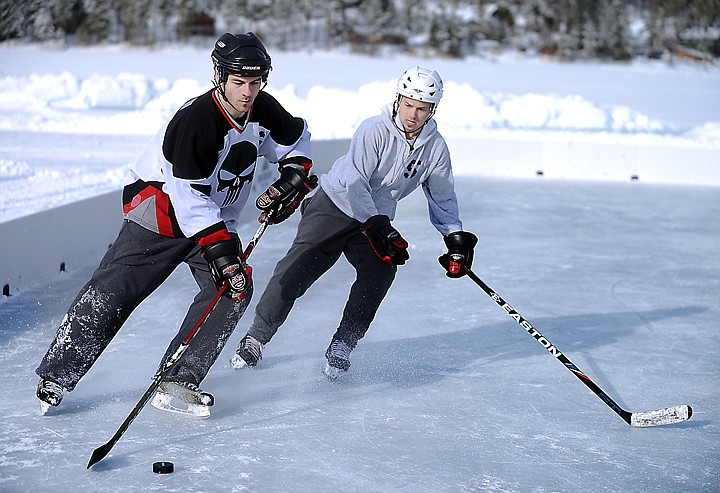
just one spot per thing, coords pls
(135, 265)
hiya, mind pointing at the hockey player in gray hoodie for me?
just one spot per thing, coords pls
(390, 155)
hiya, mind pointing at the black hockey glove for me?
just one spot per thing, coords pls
(225, 265)
(386, 240)
(285, 195)
(461, 246)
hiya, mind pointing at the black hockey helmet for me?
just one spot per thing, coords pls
(241, 54)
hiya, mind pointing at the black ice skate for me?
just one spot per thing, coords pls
(49, 393)
(183, 398)
(248, 353)
(338, 359)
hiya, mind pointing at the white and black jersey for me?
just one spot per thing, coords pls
(194, 177)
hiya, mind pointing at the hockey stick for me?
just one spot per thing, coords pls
(100, 452)
(666, 416)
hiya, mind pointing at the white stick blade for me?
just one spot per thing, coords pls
(667, 416)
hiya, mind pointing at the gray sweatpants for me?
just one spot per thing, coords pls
(323, 234)
(136, 264)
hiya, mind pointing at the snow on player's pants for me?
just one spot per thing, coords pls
(133, 267)
(324, 233)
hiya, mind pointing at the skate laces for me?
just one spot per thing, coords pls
(340, 350)
(190, 386)
(338, 357)
(50, 392)
(184, 386)
(252, 348)
(187, 391)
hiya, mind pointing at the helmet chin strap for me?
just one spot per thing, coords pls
(396, 109)
(219, 89)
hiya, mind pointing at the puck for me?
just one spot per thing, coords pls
(163, 467)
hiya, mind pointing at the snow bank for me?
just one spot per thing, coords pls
(71, 121)
(132, 103)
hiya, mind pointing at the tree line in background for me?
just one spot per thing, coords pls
(570, 29)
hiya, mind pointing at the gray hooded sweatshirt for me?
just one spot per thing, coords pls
(381, 167)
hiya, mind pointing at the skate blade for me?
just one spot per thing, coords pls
(167, 403)
(333, 373)
(237, 362)
(44, 407)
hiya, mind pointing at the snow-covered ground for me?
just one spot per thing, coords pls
(446, 393)
(71, 120)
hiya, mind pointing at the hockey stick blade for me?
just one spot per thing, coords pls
(667, 416)
(659, 417)
(100, 452)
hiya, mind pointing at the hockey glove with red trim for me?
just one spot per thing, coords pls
(225, 265)
(285, 195)
(386, 240)
(461, 246)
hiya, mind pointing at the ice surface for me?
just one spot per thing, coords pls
(446, 392)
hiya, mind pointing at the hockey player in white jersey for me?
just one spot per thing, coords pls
(182, 204)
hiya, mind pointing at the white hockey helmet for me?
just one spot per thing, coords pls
(421, 84)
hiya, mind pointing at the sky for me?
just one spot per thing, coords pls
(446, 392)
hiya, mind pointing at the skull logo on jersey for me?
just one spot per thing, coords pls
(237, 171)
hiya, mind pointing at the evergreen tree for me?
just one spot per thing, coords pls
(449, 33)
(68, 15)
(230, 16)
(380, 17)
(133, 21)
(495, 21)
(700, 26)
(12, 19)
(663, 24)
(96, 22)
(542, 22)
(567, 28)
(614, 30)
